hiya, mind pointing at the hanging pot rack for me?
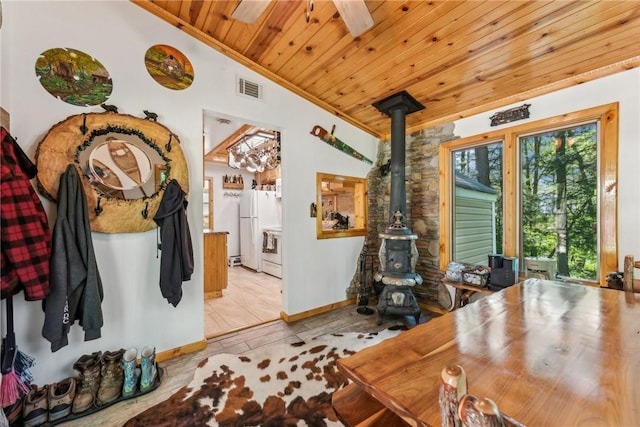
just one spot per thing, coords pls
(255, 157)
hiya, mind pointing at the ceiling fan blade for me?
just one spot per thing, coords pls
(355, 15)
(250, 10)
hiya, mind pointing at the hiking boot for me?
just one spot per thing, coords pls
(36, 408)
(131, 372)
(87, 382)
(61, 398)
(148, 368)
(112, 377)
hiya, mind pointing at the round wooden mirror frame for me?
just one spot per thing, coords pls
(65, 140)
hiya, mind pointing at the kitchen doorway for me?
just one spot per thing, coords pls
(251, 296)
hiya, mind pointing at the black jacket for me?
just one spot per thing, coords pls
(76, 287)
(176, 260)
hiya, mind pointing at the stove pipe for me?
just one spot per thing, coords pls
(397, 106)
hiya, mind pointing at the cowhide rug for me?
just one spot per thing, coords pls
(278, 386)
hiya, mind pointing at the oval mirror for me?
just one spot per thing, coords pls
(121, 166)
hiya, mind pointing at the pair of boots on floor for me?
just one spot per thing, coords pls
(104, 377)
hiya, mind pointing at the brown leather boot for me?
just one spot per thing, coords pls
(87, 382)
(112, 377)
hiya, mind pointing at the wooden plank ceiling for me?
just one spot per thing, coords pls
(458, 58)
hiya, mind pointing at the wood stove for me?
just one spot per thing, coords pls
(398, 253)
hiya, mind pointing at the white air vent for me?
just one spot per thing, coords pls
(249, 89)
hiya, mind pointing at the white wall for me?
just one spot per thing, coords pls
(118, 34)
(623, 88)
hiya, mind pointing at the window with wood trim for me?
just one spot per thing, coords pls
(341, 206)
(545, 189)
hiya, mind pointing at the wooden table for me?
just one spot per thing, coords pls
(548, 353)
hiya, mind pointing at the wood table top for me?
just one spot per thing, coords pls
(548, 353)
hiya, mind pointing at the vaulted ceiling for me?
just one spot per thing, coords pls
(458, 58)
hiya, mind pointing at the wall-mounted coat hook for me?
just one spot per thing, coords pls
(167, 146)
(145, 212)
(98, 209)
(83, 127)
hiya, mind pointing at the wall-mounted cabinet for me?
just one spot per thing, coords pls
(269, 176)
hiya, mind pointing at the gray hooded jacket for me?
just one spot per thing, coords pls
(76, 287)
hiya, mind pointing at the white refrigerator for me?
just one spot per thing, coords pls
(258, 210)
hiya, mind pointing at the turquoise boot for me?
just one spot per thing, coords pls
(131, 372)
(148, 367)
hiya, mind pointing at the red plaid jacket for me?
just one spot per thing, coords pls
(26, 240)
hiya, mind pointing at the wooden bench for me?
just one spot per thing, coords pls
(357, 408)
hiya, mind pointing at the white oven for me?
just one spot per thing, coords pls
(272, 251)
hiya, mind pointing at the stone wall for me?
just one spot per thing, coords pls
(421, 174)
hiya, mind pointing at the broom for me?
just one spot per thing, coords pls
(12, 387)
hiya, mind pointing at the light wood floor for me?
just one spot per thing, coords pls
(179, 371)
(250, 299)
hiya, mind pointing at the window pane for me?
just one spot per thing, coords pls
(477, 204)
(559, 200)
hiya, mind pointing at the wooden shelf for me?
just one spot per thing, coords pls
(231, 185)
